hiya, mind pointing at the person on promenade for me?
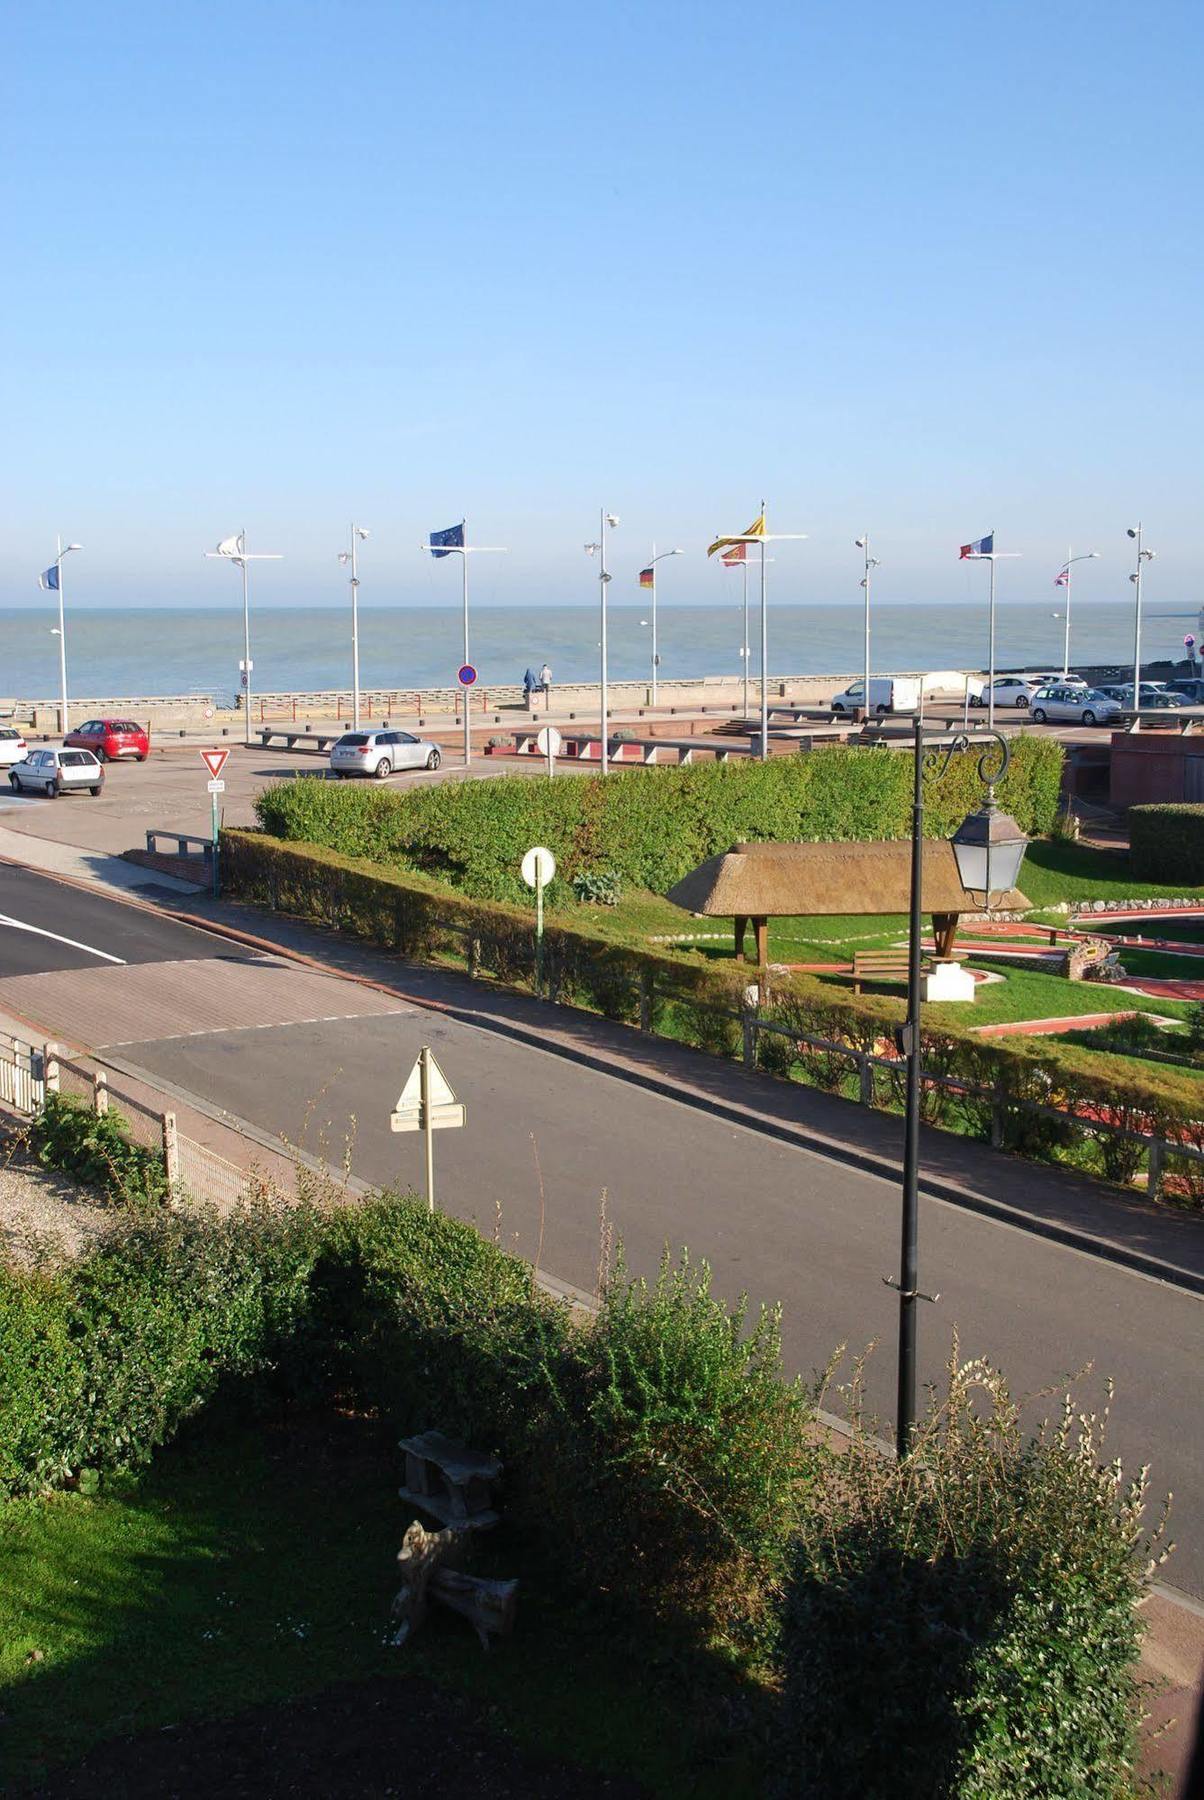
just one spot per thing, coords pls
(545, 682)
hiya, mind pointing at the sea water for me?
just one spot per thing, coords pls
(135, 651)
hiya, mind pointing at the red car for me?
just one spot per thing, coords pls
(110, 739)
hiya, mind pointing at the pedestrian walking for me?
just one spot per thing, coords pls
(545, 682)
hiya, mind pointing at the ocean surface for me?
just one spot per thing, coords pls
(134, 651)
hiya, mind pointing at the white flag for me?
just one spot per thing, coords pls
(231, 546)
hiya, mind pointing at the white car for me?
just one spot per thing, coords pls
(12, 744)
(56, 771)
(1072, 705)
(379, 753)
(1009, 690)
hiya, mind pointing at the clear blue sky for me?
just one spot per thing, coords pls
(929, 269)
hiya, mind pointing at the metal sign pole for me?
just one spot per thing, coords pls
(428, 1124)
(539, 932)
(216, 888)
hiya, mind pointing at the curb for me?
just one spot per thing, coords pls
(800, 1136)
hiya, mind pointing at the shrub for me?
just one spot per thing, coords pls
(102, 1359)
(963, 1623)
(597, 887)
(1166, 843)
(648, 826)
(95, 1149)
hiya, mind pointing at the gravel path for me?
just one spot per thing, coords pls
(43, 1214)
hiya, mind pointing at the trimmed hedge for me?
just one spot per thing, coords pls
(647, 826)
(1166, 843)
(689, 996)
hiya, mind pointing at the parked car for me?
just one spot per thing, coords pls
(110, 739)
(12, 744)
(888, 693)
(1073, 706)
(1153, 696)
(1191, 690)
(1009, 690)
(380, 752)
(56, 771)
(1057, 679)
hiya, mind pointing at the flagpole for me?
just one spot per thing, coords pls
(747, 645)
(355, 638)
(58, 563)
(603, 578)
(246, 639)
(764, 649)
(1066, 637)
(991, 648)
(652, 566)
(466, 693)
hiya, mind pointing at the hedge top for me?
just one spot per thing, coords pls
(649, 826)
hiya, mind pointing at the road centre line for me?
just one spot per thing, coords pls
(89, 949)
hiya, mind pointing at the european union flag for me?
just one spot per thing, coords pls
(444, 542)
(48, 580)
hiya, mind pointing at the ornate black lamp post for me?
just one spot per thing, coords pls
(989, 848)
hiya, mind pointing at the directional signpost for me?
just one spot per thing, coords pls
(426, 1103)
(1189, 644)
(538, 868)
(215, 762)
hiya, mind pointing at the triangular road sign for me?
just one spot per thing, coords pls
(410, 1098)
(214, 761)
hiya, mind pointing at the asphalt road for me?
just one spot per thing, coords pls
(781, 1223)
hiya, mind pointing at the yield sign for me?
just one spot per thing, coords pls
(214, 761)
(445, 1109)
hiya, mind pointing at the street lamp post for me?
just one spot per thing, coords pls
(53, 578)
(358, 532)
(650, 570)
(1063, 581)
(975, 553)
(1143, 556)
(234, 549)
(988, 847)
(598, 549)
(871, 562)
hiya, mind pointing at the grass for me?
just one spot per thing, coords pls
(1055, 871)
(257, 1564)
(1032, 994)
(1162, 963)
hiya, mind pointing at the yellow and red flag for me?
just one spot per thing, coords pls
(734, 557)
(755, 530)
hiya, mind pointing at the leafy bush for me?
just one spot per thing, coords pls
(963, 1623)
(1166, 843)
(95, 1149)
(597, 887)
(102, 1359)
(649, 826)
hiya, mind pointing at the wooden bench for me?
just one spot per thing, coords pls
(878, 965)
(321, 740)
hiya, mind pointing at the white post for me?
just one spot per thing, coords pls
(58, 563)
(428, 1127)
(1136, 637)
(747, 645)
(466, 693)
(355, 638)
(246, 645)
(604, 698)
(655, 657)
(764, 655)
(1066, 629)
(991, 655)
(865, 692)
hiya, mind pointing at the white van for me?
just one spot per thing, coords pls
(888, 693)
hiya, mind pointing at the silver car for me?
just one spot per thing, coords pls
(379, 753)
(1073, 706)
(56, 771)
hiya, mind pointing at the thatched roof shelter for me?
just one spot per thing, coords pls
(774, 881)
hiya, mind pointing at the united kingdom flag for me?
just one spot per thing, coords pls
(982, 547)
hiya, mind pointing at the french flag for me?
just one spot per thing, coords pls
(983, 547)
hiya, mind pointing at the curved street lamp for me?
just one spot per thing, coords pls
(607, 521)
(1062, 580)
(871, 563)
(359, 532)
(988, 847)
(650, 568)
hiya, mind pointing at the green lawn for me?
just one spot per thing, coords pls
(1056, 871)
(1032, 994)
(257, 1563)
(1162, 963)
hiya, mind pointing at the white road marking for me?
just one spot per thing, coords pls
(89, 949)
(258, 1025)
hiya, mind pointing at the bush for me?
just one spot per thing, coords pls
(647, 826)
(101, 1360)
(1166, 843)
(963, 1623)
(94, 1148)
(598, 887)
